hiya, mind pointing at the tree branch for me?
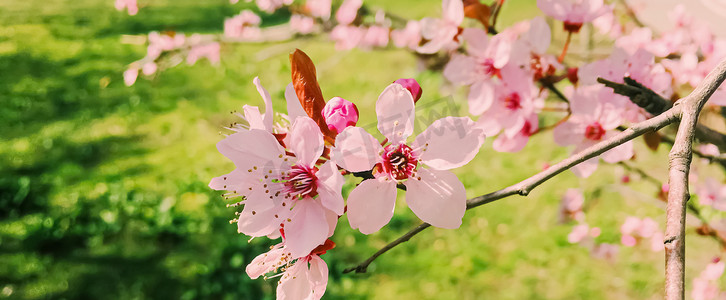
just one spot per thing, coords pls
(678, 195)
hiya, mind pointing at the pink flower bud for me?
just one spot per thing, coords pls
(339, 114)
(412, 86)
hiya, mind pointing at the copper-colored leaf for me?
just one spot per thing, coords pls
(305, 82)
(652, 140)
(476, 10)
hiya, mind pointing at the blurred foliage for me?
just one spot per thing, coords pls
(103, 188)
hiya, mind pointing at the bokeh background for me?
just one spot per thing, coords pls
(103, 187)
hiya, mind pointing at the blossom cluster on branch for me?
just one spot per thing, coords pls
(290, 168)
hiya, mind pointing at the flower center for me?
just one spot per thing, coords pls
(399, 162)
(513, 101)
(572, 27)
(300, 181)
(486, 67)
(527, 129)
(594, 131)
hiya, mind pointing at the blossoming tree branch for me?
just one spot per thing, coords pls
(290, 167)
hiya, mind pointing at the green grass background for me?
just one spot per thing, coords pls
(103, 188)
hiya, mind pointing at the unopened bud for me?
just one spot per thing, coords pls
(412, 86)
(339, 114)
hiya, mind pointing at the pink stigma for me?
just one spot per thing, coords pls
(594, 132)
(513, 102)
(301, 181)
(399, 162)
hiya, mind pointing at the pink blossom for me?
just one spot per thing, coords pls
(593, 120)
(209, 51)
(485, 58)
(434, 194)
(269, 6)
(512, 104)
(605, 251)
(149, 68)
(515, 140)
(412, 86)
(348, 11)
(159, 43)
(339, 114)
(347, 37)
(579, 233)
(131, 7)
(245, 25)
(640, 66)
(571, 205)
(408, 37)
(302, 24)
(319, 8)
(635, 229)
(440, 33)
(573, 13)
(282, 189)
(705, 286)
(278, 188)
(375, 36)
(303, 277)
(608, 23)
(709, 149)
(712, 193)
(130, 76)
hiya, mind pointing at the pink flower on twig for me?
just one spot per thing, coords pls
(434, 194)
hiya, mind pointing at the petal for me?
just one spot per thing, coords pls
(453, 11)
(251, 148)
(306, 141)
(295, 285)
(481, 96)
(539, 35)
(504, 143)
(330, 186)
(318, 276)
(260, 223)
(449, 142)
(619, 153)
(268, 103)
(568, 133)
(264, 263)
(395, 110)
(294, 108)
(477, 40)
(307, 227)
(586, 168)
(437, 198)
(370, 205)
(461, 69)
(355, 150)
(254, 117)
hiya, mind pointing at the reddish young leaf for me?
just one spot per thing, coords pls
(652, 140)
(305, 82)
(476, 10)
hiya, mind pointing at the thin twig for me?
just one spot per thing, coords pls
(678, 194)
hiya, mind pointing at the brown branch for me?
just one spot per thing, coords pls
(678, 195)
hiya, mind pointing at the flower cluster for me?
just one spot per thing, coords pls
(289, 173)
(572, 208)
